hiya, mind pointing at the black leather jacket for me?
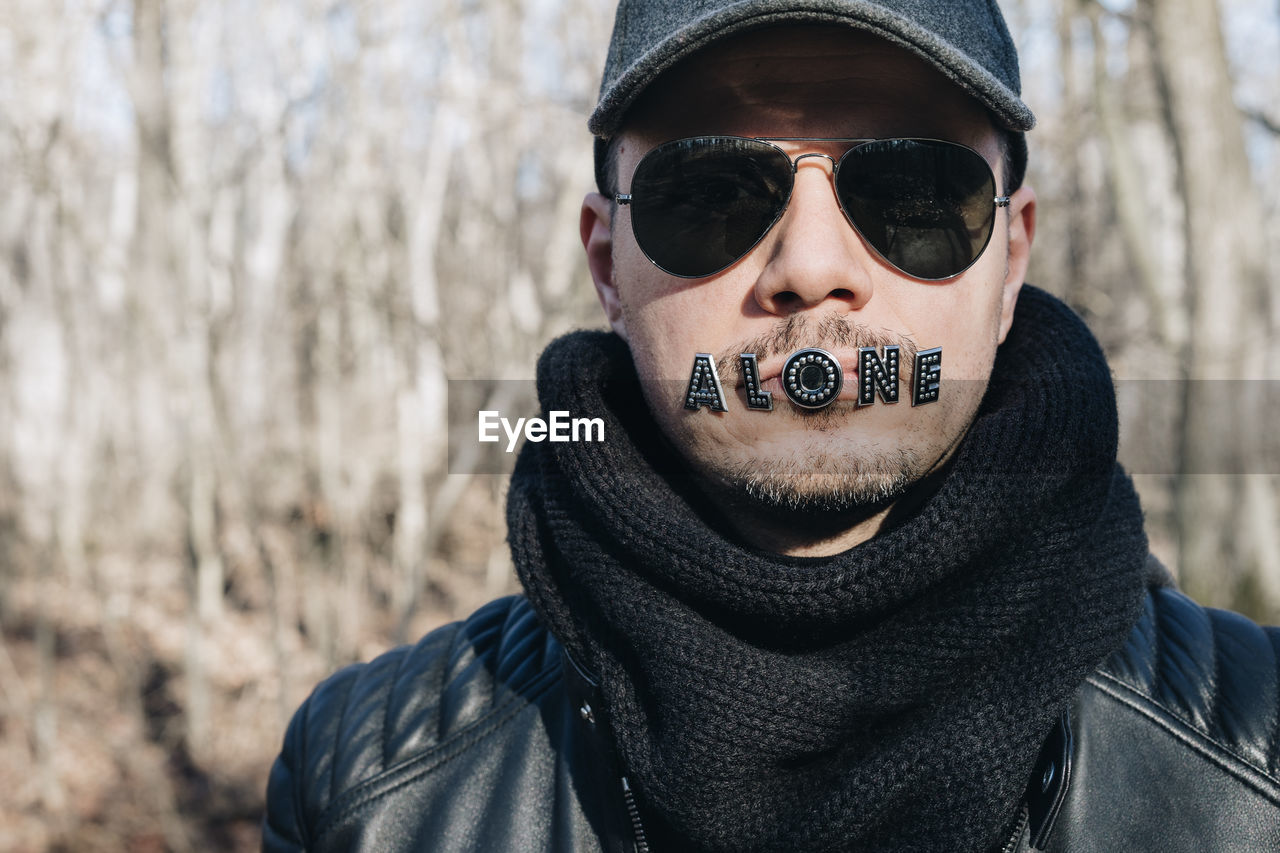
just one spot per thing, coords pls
(485, 737)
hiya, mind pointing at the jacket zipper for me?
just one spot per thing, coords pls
(1011, 845)
(633, 812)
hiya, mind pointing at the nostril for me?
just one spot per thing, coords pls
(791, 300)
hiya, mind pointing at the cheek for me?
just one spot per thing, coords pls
(668, 321)
(628, 260)
(963, 317)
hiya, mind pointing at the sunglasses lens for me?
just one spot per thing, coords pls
(700, 204)
(925, 206)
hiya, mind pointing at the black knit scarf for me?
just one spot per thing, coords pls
(893, 697)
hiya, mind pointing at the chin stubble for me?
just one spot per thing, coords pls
(827, 484)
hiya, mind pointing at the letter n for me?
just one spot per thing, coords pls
(876, 375)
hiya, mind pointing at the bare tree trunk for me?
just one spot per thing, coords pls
(1225, 274)
(1067, 150)
(168, 275)
(1126, 176)
(420, 422)
(45, 721)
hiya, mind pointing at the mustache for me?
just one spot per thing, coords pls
(797, 332)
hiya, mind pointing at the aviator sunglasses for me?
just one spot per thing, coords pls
(698, 205)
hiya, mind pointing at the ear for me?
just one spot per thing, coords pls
(1022, 230)
(594, 226)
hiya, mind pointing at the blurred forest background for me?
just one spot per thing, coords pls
(244, 245)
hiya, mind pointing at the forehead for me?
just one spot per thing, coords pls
(807, 81)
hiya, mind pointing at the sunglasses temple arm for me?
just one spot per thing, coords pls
(622, 198)
(1001, 200)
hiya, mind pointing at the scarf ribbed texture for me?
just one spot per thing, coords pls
(890, 698)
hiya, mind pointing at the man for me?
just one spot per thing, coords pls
(776, 609)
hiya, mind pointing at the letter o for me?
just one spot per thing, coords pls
(812, 378)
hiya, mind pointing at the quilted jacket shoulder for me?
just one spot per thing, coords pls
(1211, 672)
(372, 727)
(1177, 737)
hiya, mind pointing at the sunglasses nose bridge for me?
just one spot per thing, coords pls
(795, 164)
(835, 165)
(831, 174)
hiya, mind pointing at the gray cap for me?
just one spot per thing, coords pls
(966, 40)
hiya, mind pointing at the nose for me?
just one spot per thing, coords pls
(813, 255)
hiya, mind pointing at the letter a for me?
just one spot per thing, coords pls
(704, 385)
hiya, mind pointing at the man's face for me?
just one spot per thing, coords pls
(812, 281)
